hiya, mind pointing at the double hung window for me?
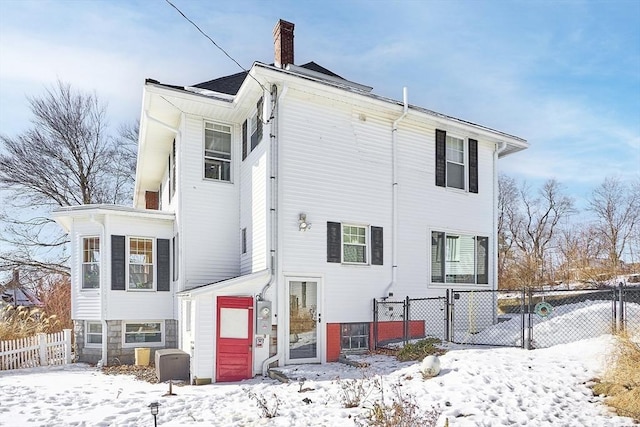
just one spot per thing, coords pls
(141, 263)
(90, 262)
(217, 151)
(354, 244)
(455, 162)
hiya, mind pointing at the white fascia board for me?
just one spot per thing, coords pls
(254, 279)
(63, 214)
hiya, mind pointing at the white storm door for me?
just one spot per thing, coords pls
(304, 321)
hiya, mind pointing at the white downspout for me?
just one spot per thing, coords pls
(273, 178)
(394, 196)
(103, 294)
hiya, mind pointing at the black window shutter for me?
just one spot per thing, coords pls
(376, 246)
(334, 252)
(244, 140)
(441, 158)
(259, 117)
(117, 263)
(473, 166)
(163, 264)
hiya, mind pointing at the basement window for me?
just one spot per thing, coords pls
(354, 337)
(93, 334)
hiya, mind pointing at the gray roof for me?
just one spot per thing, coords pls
(231, 84)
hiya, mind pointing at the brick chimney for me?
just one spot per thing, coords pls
(283, 43)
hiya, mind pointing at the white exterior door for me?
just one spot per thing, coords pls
(304, 321)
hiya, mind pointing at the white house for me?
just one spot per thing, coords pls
(270, 209)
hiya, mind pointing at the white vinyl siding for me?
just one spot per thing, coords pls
(202, 201)
(346, 145)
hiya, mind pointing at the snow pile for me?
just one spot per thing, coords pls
(567, 323)
(476, 387)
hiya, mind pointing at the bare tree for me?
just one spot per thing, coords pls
(580, 249)
(532, 226)
(616, 206)
(68, 157)
(507, 212)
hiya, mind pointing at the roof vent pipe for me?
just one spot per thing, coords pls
(394, 196)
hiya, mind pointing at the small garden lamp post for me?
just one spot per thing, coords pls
(154, 411)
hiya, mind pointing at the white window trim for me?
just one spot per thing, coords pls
(446, 284)
(153, 263)
(465, 165)
(86, 334)
(82, 263)
(367, 245)
(143, 344)
(204, 150)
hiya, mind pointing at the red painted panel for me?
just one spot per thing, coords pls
(389, 330)
(333, 342)
(234, 361)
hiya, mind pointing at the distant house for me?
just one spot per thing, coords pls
(270, 208)
(15, 294)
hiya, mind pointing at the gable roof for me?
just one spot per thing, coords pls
(14, 293)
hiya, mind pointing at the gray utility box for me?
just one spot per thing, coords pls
(172, 364)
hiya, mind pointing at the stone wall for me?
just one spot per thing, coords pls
(84, 354)
(118, 355)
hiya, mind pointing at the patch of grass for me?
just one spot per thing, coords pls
(621, 383)
(420, 349)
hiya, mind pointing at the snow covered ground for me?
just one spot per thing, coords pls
(476, 387)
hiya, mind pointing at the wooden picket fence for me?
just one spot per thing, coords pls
(39, 350)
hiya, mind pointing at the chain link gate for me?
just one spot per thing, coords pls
(523, 318)
(411, 318)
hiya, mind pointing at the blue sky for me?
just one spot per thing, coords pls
(565, 75)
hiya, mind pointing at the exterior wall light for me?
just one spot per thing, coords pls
(303, 225)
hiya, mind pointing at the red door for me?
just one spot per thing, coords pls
(234, 338)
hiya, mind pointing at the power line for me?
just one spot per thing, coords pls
(215, 44)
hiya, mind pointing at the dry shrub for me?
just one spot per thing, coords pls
(56, 297)
(622, 380)
(22, 322)
(399, 411)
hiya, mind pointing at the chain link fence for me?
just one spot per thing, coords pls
(525, 318)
